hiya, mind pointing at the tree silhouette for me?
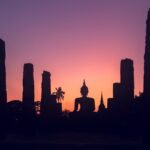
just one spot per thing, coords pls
(59, 94)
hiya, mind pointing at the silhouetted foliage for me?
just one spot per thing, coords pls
(59, 94)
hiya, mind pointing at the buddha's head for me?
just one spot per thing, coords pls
(84, 90)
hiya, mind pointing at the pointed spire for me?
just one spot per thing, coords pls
(102, 101)
(101, 106)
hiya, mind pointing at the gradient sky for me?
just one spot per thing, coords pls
(74, 40)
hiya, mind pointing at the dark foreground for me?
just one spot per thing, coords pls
(73, 147)
(74, 141)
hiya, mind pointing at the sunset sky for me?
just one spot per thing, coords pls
(74, 40)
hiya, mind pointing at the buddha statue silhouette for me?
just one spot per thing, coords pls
(84, 103)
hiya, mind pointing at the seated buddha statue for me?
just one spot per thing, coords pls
(84, 104)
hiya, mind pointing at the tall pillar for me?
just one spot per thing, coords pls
(147, 59)
(28, 88)
(127, 78)
(3, 93)
(46, 84)
(46, 90)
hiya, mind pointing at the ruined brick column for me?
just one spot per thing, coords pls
(3, 92)
(28, 88)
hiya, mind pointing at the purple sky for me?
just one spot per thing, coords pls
(74, 40)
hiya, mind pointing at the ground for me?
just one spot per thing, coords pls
(73, 141)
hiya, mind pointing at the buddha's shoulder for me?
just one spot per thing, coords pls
(78, 99)
(90, 98)
(85, 98)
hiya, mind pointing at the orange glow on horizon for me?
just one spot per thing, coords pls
(97, 81)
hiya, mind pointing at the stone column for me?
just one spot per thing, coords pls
(3, 93)
(28, 88)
